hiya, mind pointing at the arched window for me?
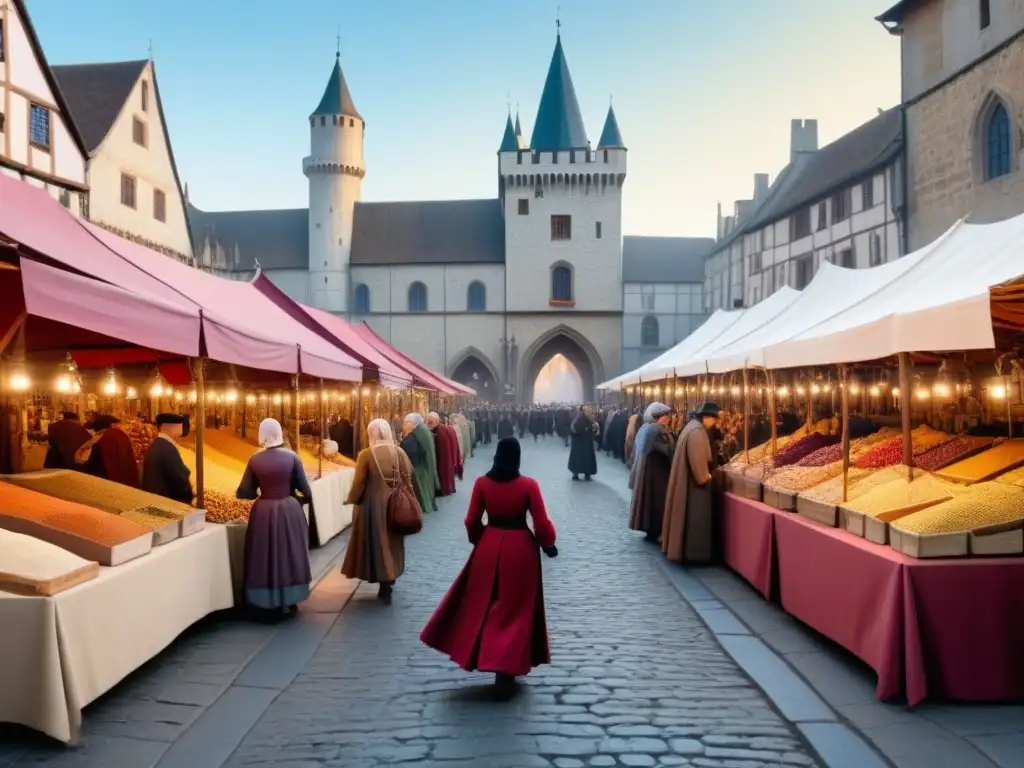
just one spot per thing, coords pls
(417, 297)
(998, 149)
(561, 283)
(361, 302)
(476, 298)
(649, 332)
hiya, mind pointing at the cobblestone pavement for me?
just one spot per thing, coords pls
(636, 679)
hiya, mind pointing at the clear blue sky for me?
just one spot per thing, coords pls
(704, 90)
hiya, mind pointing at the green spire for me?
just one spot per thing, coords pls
(509, 142)
(559, 124)
(336, 99)
(611, 137)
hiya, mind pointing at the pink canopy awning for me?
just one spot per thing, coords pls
(240, 324)
(426, 376)
(339, 333)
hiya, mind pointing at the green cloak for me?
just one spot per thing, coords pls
(472, 435)
(426, 475)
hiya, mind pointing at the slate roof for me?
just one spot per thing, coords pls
(429, 232)
(277, 239)
(664, 259)
(337, 100)
(898, 12)
(559, 123)
(96, 93)
(851, 157)
(611, 136)
(510, 141)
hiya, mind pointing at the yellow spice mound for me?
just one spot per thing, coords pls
(979, 506)
(794, 478)
(216, 476)
(987, 463)
(889, 498)
(859, 482)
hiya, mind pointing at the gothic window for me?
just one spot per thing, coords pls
(476, 299)
(561, 284)
(649, 332)
(39, 127)
(998, 153)
(417, 297)
(362, 299)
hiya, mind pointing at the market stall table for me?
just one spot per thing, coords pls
(61, 653)
(332, 514)
(748, 540)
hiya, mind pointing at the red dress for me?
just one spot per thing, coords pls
(492, 618)
(447, 446)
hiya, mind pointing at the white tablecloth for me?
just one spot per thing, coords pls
(332, 514)
(58, 654)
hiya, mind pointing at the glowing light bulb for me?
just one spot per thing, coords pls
(815, 389)
(783, 391)
(132, 394)
(896, 392)
(941, 390)
(923, 394)
(800, 390)
(735, 391)
(110, 387)
(231, 396)
(250, 399)
(20, 382)
(157, 390)
(999, 392)
(193, 396)
(277, 399)
(179, 396)
(874, 391)
(854, 389)
(63, 384)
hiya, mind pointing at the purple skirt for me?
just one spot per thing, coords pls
(277, 572)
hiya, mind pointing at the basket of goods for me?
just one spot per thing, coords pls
(985, 519)
(222, 508)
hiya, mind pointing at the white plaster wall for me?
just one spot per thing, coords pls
(458, 278)
(530, 251)
(22, 79)
(152, 169)
(336, 141)
(294, 282)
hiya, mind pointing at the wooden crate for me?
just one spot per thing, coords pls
(995, 540)
(780, 499)
(818, 511)
(749, 488)
(926, 546)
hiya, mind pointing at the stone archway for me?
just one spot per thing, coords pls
(472, 368)
(566, 341)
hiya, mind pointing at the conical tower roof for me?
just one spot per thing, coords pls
(611, 137)
(336, 99)
(559, 123)
(509, 142)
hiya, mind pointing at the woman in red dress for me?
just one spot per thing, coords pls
(492, 618)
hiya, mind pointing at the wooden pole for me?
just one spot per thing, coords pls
(295, 411)
(845, 416)
(357, 418)
(746, 418)
(200, 434)
(323, 434)
(906, 398)
(772, 411)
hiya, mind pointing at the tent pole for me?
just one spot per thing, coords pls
(845, 416)
(200, 433)
(906, 398)
(772, 412)
(746, 417)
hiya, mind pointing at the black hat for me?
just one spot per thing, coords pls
(103, 421)
(69, 415)
(170, 418)
(709, 409)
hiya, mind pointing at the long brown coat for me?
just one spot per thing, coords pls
(686, 527)
(376, 554)
(631, 429)
(650, 484)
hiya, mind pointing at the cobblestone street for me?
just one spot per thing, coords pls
(637, 678)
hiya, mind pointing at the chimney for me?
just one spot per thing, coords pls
(760, 188)
(743, 210)
(719, 234)
(803, 137)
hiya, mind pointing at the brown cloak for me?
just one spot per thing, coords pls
(630, 438)
(651, 484)
(686, 527)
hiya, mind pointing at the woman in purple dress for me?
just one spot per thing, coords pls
(277, 573)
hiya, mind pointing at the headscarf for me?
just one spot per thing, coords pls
(507, 458)
(433, 420)
(379, 432)
(271, 434)
(415, 418)
(645, 436)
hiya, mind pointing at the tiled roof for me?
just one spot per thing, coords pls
(664, 259)
(429, 232)
(336, 99)
(559, 123)
(96, 93)
(898, 12)
(277, 239)
(611, 136)
(851, 157)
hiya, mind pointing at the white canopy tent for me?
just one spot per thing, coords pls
(712, 328)
(833, 290)
(692, 362)
(940, 303)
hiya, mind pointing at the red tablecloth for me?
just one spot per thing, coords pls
(964, 629)
(748, 540)
(848, 589)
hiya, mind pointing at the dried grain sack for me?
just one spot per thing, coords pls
(978, 506)
(900, 494)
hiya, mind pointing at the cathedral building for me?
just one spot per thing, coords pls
(486, 291)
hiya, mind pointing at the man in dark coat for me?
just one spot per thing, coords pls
(66, 437)
(163, 470)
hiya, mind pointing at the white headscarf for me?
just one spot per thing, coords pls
(433, 419)
(271, 435)
(379, 432)
(415, 418)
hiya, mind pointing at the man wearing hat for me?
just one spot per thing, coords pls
(687, 534)
(163, 470)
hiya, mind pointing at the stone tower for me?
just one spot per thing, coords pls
(335, 171)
